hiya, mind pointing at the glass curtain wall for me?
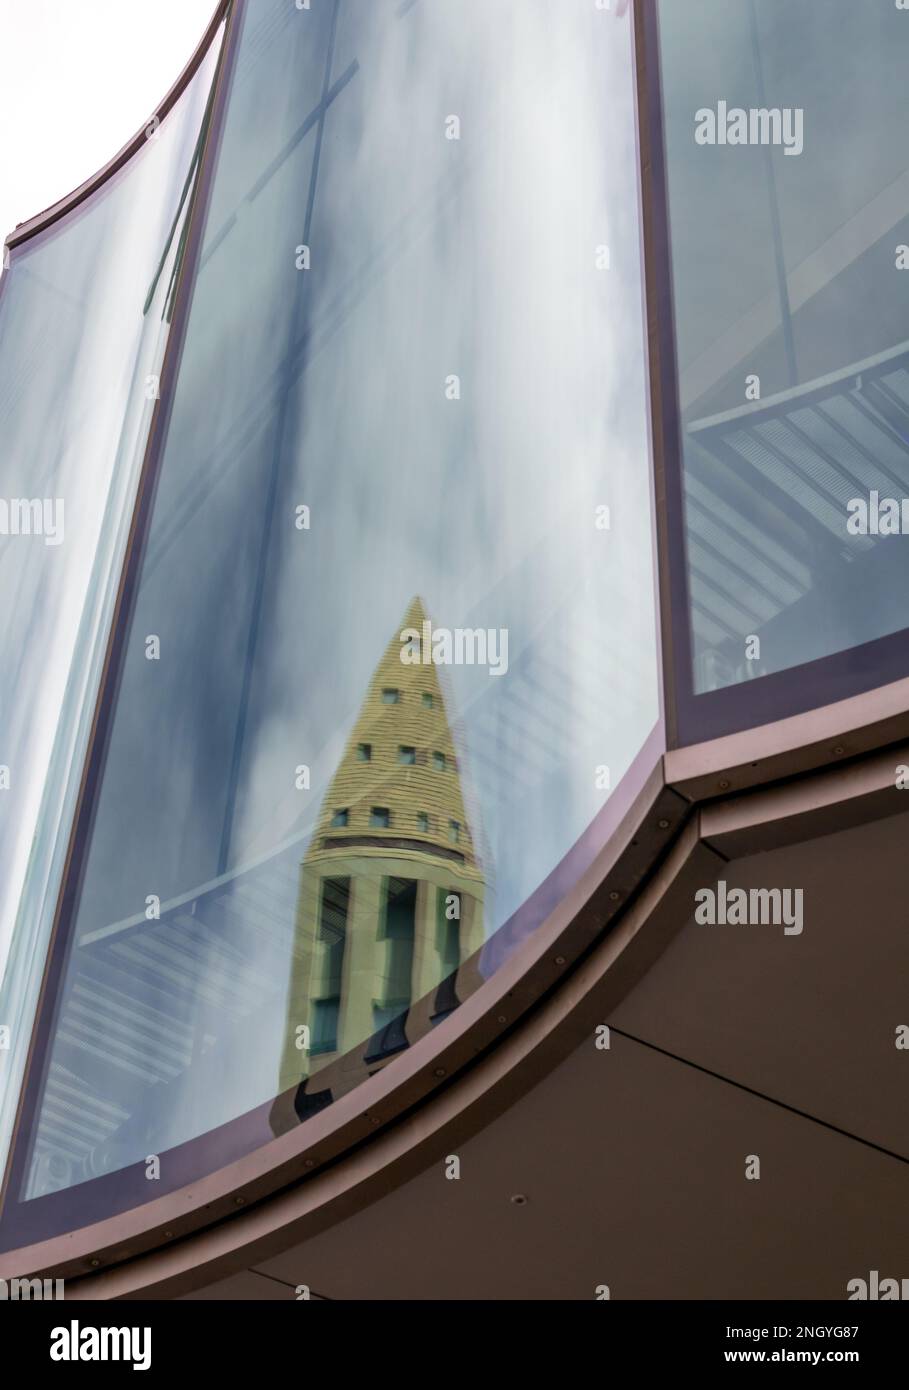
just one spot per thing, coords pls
(788, 192)
(84, 320)
(391, 673)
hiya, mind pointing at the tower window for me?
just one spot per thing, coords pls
(329, 956)
(391, 697)
(454, 831)
(407, 756)
(364, 752)
(423, 822)
(326, 1013)
(340, 818)
(380, 818)
(397, 929)
(439, 762)
(427, 699)
(449, 906)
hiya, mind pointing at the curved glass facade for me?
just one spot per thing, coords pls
(388, 674)
(788, 209)
(330, 666)
(84, 320)
(326, 676)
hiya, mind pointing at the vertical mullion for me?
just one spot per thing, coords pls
(663, 378)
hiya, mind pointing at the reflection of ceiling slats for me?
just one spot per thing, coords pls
(745, 560)
(767, 487)
(139, 1000)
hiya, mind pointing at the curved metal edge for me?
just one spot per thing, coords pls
(789, 813)
(817, 739)
(185, 1234)
(42, 220)
(475, 1028)
(545, 1039)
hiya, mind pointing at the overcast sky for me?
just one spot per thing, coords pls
(77, 79)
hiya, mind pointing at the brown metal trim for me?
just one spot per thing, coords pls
(662, 373)
(839, 798)
(791, 747)
(56, 951)
(42, 220)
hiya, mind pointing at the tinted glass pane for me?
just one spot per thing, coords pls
(409, 454)
(84, 318)
(787, 223)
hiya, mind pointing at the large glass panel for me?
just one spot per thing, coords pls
(788, 175)
(84, 318)
(392, 669)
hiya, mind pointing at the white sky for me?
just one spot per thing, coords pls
(77, 79)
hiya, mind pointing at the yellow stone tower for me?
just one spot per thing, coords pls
(391, 893)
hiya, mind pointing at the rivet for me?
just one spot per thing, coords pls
(240, 1201)
(168, 1235)
(519, 1199)
(839, 750)
(94, 1263)
(560, 960)
(439, 1071)
(614, 895)
(373, 1120)
(502, 1018)
(309, 1163)
(725, 785)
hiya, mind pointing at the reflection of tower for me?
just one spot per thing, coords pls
(391, 895)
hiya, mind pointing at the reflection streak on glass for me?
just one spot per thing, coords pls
(83, 327)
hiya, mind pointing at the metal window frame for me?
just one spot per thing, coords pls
(698, 718)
